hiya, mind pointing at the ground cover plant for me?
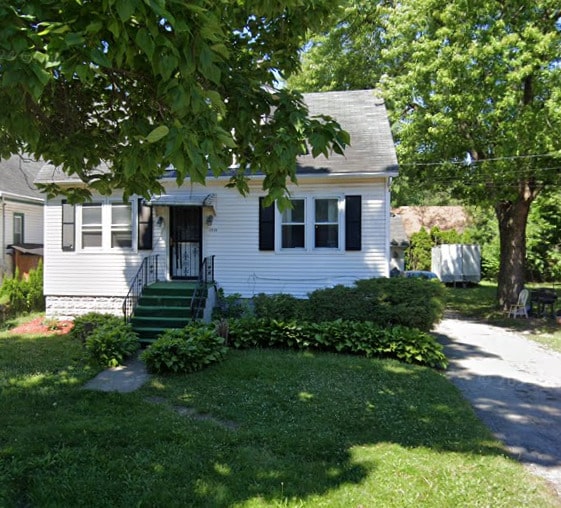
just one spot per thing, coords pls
(262, 428)
(108, 340)
(185, 350)
(362, 338)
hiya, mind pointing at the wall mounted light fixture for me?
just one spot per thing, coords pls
(209, 219)
(159, 221)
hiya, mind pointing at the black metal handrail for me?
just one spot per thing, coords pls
(146, 274)
(206, 276)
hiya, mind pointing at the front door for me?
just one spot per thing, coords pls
(185, 241)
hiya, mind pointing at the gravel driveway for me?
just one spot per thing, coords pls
(514, 385)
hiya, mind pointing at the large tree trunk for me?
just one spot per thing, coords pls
(512, 217)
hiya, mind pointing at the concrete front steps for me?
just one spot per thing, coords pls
(163, 305)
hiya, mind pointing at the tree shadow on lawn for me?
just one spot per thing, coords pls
(301, 421)
(298, 432)
(525, 416)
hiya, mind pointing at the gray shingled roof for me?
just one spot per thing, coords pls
(17, 175)
(364, 116)
(359, 112)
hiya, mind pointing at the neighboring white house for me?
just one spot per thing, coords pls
(21, 222)
(337, 231)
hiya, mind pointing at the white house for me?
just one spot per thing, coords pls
(21, 209)
(337, 231)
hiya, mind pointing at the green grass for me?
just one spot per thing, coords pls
(262, 428)
(474, 301)
(480, 302)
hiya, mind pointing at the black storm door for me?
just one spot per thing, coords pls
(185, 241)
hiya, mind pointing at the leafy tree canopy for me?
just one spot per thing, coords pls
(148, 84)
(474, 88)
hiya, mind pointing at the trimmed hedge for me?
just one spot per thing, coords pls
(351, 337)
(280, 306)
(414, 303)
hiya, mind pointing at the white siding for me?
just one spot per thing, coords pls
(233, 239)
(80, 272)
(241, 268)
(33, 221)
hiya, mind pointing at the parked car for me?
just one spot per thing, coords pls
(420, 274)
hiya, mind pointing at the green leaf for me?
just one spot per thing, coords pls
(100, 58)
(145, 42)
(157, 134)
(125, 9)
(167, 65)
(74, 39)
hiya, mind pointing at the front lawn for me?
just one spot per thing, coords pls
(262, 428)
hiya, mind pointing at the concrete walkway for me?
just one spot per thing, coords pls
(124, 379)
(514, 385)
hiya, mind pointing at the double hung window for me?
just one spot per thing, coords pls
(311, 223)
(326, 228)
(294, 225)
(121, 226)
(98, 226)
(327, 224)
(92, 225)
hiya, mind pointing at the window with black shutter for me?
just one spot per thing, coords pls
(353, 223)
(266, 226)
(145, 226)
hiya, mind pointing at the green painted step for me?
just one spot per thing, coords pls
(164, 301)
(160, 321)
(163, 305)
(162, 311)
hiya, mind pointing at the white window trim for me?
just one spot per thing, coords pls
(309, 227)
(106, 228)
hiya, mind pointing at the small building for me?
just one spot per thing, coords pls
(21, 214)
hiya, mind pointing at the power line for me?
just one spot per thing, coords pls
(479, 161)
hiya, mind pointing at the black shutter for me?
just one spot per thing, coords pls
(266, 226)
(68, 226)
(353, 223)
(144, 226)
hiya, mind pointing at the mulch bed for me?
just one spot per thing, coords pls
(42, 326)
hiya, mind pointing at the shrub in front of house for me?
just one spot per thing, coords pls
(410, 302)
(185, 350)
(111, 343)
(231, 306)
(279, 306)
(85, 324)
(352, 337)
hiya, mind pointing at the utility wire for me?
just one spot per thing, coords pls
(480, 161)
